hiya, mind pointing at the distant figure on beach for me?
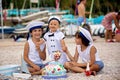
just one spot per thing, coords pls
(117, 35)
(54, 39)
(107, 23)
(81, 12)
(87, 52)
(34, 53)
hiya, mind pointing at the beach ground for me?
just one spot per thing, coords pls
(10, 53)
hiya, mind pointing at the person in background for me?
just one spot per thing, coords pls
(107, 23)
(34, 53)
(117, 32)
(117, 35)
(81, 13)
(87, 52)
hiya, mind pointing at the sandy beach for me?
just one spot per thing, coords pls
(10, 53)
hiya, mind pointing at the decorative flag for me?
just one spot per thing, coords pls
(57, 5)
(34, 1)
(4, 15)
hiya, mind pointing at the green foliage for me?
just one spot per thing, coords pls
(100, 6)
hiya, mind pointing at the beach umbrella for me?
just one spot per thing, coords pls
(1, 19)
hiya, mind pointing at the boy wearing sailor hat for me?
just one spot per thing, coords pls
(87, 52)
(34, 53)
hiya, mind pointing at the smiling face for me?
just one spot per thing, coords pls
(53, 25)
(36, 33)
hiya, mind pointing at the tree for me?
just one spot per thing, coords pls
(100, 6)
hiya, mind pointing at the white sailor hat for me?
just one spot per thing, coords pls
(86, 35)
(33, 25)
(54, 18)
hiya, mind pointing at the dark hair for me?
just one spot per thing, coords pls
(118, 14)
(46, 30)
(87, 27)
(53, 19)
(84, 41)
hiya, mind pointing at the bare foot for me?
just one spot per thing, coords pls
(93, 73)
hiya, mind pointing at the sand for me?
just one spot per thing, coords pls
(10, 53)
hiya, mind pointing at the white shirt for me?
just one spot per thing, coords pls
(53, 44)
(33, 53)
(85, 55)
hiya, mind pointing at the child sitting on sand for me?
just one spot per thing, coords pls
(86, 51)
(34, 53)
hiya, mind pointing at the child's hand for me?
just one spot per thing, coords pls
(36, 67)
(37, 44)
(41, 41)
(73, 64)
(57, 55)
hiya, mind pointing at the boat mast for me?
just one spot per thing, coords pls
(24, 4)
(91, 8)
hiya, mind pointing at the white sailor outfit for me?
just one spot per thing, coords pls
(53, 44)
(85, 55)
(33, 53)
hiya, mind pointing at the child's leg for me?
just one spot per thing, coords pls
(67, 65)
(97, 66)
(33, 71)
(94, 67)
(36, 73)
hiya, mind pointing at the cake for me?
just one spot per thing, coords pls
(54, 70)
